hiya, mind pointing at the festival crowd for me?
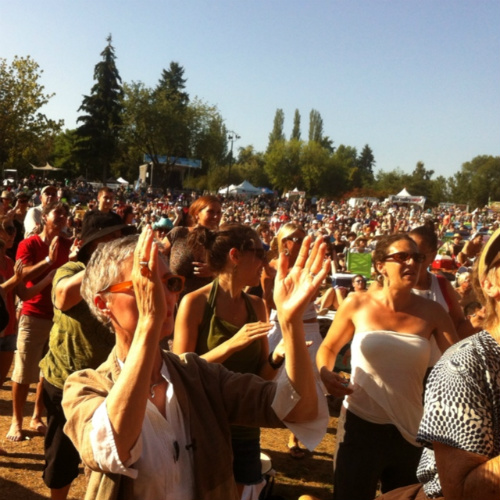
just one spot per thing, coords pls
(162, 330)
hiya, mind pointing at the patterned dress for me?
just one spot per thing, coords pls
(462, 405)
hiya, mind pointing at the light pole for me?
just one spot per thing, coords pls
(232, 136)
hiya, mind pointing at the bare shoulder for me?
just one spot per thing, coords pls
(197, 299)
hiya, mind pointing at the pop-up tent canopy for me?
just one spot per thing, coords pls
(47, 167)
(405, 197)
(295, 194)
(245, 188)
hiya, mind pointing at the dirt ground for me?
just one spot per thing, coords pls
(21, 469)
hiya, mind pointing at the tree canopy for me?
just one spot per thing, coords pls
(26, 134)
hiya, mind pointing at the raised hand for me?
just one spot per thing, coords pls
(295, 288)
(148, 287)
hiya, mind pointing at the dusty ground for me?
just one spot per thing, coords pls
(21, 469)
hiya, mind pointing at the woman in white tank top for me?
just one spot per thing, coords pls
(390, 328)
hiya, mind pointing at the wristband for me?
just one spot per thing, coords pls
(48, 260)
(275, 364)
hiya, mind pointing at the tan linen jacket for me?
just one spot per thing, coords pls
(211, 398)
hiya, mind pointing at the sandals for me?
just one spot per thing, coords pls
(296, 452)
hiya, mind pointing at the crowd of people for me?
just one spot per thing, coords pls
(159, 327)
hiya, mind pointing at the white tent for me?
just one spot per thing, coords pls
(405, 197)
(245, 188)
(121, 180)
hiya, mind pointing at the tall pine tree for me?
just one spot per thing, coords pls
(296, 126)
(98, 145)
(277, 133)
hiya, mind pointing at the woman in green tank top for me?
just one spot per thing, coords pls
(223, 324)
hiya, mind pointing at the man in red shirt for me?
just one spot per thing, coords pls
(41, 254)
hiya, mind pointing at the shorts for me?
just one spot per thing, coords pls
(247, 468)
(8, 343)
(374, 452)
(32, 342)
(61, 458)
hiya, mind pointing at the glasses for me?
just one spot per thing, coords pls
(260, 253)
(22, 200)
(10, 230)
(405, 257)
(174, 283)
(294, 239)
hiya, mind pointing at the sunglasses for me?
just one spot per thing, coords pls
(10, 230)
(260, 253)
(174, 283)
(405, 257)
(294, 239)
(22, 200)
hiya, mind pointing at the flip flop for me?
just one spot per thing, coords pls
(296, 452)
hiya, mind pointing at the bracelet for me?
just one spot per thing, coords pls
(275, 364)
(48, 260)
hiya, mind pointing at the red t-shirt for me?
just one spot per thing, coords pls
(31, 251)
(5, 274)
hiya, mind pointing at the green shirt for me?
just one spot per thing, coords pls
(77, 339)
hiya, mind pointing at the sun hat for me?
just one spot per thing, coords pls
(97, 225)
(489, 255)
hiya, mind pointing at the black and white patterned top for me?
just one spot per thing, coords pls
(462, 405)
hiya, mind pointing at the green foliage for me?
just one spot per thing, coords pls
(26, 134)
(296, 126)
(366, 163)
(173, 83)
(98, 147)
(277, 134)
(478, 182)
(315, 126)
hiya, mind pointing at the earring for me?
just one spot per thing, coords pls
(286, 252)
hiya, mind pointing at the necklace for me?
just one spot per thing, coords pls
(152, 388)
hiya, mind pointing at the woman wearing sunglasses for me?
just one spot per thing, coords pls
(390, 329)
(152, 425)
(223, 324)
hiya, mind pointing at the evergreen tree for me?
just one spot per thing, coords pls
(296, 126)
(365, 164)
(173, 83)
(98, 145)
(277, 133)
(315, 126)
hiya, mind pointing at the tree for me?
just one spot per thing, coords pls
(478, 181)
(98, 146)
(315, 126)
(173, 83)
(277, 133)
(366, 163)
(296, 126)
(26, 134)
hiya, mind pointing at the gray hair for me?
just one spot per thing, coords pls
(105, 268)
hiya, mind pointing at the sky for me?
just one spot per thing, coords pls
(416, 80)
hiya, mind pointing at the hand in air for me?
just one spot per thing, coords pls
(295, 288)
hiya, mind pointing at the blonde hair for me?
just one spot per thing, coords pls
(489, 303)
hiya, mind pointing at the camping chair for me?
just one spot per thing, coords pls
(360, 263)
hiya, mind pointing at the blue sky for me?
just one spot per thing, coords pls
(417, 80)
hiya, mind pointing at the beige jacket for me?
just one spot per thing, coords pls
(211, 398)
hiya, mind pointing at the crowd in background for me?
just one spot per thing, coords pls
(59, 212)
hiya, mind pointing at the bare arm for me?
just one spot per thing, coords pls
(15, 279)
(444, 332)
(294, 289)
(465, 475)
(188, 320)
(67, 292)
(32, 270)
(339, 334)
(25, 293)
(462, 325)
(127, 400)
